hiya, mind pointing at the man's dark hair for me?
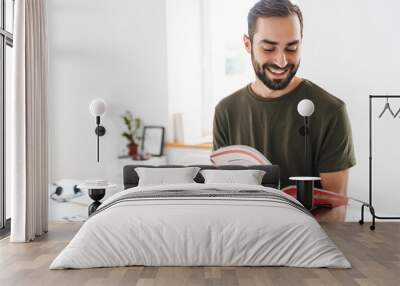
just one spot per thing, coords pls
(272, 8)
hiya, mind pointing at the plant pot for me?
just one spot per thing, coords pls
(132, 149)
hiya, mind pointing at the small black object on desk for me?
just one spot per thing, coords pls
(96, 195)
(305, 186)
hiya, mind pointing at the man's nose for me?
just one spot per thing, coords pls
(280, 60)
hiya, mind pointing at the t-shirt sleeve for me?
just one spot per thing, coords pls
(220, 130)
(337, 150)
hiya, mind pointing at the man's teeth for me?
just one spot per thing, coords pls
(277, 71)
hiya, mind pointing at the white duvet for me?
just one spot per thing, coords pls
(200, 231)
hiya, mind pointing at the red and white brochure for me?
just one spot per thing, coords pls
(320, 197)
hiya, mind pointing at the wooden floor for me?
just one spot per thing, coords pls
(374, 255)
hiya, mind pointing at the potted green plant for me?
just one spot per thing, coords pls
(132, 135)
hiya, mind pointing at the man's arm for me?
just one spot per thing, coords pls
(334, 182)
(220, 131)
(336, 157)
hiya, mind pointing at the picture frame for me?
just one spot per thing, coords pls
(153, 140)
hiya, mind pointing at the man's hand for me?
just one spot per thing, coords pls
(333, 182)
(337, 214)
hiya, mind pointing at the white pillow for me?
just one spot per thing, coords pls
(164, 176)
(248, 177)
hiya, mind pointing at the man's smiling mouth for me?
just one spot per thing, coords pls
(277, 71)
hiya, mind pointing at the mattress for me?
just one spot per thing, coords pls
(201, 225)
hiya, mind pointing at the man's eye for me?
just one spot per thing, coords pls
(268, 50)
(292, 50)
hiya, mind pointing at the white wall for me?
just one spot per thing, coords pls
(351, 48)
(115, 50)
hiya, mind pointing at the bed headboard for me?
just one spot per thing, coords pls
(270, 179)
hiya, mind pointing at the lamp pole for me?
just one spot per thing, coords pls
(97, 108)
(98, 136)
(306, 125)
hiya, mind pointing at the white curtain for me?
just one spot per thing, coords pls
(28, 123)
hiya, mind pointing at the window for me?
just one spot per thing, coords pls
(6, 44)
(206, 61)
(227, 65)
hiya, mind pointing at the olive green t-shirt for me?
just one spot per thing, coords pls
(272, 126)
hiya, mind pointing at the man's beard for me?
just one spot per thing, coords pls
(274, 84)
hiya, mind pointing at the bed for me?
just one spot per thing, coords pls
(201, 224)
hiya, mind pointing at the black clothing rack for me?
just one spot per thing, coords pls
(369, 205)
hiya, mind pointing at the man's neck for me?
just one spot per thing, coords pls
(260, 89)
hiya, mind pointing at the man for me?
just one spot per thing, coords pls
(264, 113)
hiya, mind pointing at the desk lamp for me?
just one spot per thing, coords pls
(305, 185)
(98, 108)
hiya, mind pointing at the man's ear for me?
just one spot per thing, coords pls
(247, 43)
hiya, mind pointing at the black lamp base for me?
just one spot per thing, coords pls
(96, 195)
(305, 193)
